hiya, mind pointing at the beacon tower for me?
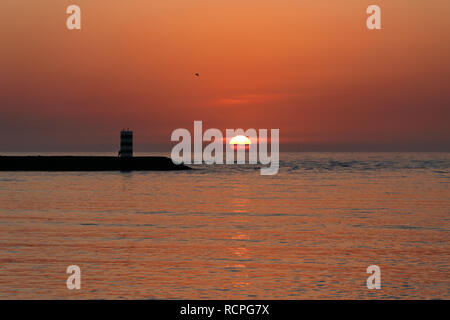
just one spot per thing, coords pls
(126, 144)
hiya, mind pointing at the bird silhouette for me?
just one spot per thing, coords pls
(197, 75)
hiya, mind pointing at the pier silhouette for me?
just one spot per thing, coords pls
(123, 162)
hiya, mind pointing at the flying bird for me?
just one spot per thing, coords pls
(197, 74)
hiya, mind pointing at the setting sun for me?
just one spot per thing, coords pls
(240, 140)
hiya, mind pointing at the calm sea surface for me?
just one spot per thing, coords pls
(223, 232)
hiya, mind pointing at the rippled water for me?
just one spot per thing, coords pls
(222, 232)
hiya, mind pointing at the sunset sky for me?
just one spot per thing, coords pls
(310, 68)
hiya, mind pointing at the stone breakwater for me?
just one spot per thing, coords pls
(87, 163)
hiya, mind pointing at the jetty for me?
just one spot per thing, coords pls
(124, 161)
(87, 163)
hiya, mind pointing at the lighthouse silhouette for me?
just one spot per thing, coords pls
(126, 144)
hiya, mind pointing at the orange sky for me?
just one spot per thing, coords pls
(310, 68)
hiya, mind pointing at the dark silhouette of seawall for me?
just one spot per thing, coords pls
(87, 163)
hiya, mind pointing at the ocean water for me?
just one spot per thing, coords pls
(226, 232)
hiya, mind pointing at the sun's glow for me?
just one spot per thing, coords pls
(240, 140)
